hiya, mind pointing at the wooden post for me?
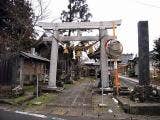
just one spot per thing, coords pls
(116, 79)
(53, 61)
(96, 70)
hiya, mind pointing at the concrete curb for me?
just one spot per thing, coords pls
(139, 108)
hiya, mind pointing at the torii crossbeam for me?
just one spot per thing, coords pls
(101, 26)
(79, 25)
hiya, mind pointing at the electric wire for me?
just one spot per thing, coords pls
(147, 4)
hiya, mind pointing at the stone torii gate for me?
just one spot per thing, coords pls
(103, 37)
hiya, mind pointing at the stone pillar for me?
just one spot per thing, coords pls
(104, 59)
(53, 62)
(143, 46)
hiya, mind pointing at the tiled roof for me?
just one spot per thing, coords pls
(125, 58)
(29, 55)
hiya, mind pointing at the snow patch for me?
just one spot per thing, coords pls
(55, 118)
(110, 111)
(31, 114)
(116, 101)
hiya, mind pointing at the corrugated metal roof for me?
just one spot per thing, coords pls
(29, 55)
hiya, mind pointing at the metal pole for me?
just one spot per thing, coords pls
(21, 72)
(37, 86)
(102, 93)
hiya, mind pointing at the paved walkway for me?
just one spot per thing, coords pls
(74, 101)
(133, 81)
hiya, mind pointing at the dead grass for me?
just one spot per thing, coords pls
(44, 99)
(29, 88)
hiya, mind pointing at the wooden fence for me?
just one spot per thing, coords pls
(8, 69)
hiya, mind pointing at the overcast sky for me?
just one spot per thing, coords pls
(129, 11)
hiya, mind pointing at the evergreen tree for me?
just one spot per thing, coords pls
(16, 28)
(77, 11)
(156, 53)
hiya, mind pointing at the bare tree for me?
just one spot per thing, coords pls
(40, 8)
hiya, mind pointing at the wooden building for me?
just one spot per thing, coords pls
(32, 67)
(21, 68)
(17, 69)
(133, 65)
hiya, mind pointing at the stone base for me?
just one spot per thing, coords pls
(51, 89)
(105, 90)
(145, 108)
(102, 105)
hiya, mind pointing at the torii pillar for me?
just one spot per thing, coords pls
(53, 61)
(104, 59)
